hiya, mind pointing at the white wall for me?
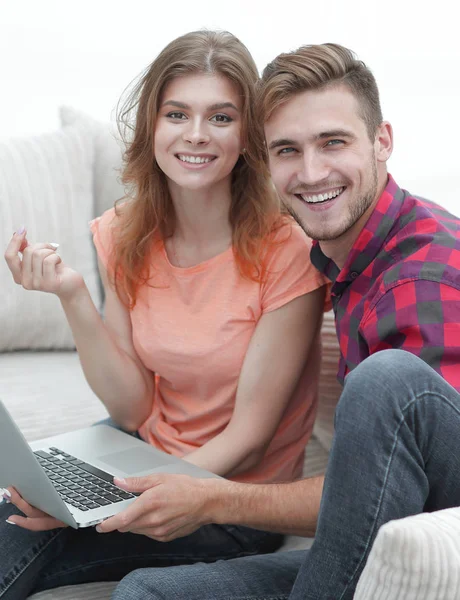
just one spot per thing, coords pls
(55, 52)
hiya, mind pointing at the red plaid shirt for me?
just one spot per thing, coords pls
(400, 286)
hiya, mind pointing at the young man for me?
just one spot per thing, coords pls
(394, 260)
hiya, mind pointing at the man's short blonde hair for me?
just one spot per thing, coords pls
(316, 67)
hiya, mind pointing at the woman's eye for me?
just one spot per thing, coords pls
(221, 118)
(176, 115)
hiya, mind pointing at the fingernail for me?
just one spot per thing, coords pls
(10, 522)
(54, 245)
(98, 529)
(6, 495)
(120, 480)
(21, 230)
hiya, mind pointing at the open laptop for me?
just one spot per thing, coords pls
(70, 476)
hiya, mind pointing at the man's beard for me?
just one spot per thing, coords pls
(357, 210)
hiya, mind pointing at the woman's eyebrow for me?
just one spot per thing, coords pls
(216, 106)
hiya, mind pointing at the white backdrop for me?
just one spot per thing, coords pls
(84, 53)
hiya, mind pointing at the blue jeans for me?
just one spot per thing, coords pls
(31, 562)
(396, 452)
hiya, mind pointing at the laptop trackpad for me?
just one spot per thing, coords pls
(134, 460)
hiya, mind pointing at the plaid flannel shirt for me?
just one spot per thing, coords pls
(400, 286)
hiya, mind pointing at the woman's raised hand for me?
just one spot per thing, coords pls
(40, 267)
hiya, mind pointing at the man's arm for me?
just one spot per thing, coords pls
(288, 508)
(172, 506)
(421, 317)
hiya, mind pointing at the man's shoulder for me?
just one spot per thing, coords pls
(424, 243)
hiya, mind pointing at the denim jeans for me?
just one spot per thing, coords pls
(31, 561)
(396, 452)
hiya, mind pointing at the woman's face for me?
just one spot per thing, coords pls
(198, 131)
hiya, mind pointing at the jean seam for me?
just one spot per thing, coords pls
(29, 563)
(411, 402)
(204, 558)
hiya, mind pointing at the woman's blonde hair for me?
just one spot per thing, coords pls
(147, 214)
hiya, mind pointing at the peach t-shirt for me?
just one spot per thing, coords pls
(193, 329)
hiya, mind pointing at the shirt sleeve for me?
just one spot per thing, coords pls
(101, 228)
(289, 271)
(422, 317)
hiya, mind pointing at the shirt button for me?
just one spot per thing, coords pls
(353, 274)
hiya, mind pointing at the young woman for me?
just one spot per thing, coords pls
(209, 347)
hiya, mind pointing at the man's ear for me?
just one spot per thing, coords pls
(383, 141)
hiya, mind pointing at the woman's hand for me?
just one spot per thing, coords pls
(40, 267)
(34, 519)
(170, 506)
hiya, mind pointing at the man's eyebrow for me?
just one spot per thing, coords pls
(281, 142)
(217, 106)
(335, 133)
(332, 133)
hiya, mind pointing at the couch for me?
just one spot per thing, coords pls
(54, 184)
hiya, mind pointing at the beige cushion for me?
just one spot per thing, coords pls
(416, 558)
(46, 184)
(329, 387)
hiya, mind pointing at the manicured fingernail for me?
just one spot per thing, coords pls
(10, 522)
(54, 245)
(21, 230)
(6, 494)
(98, 529)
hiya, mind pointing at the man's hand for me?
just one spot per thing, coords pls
(34, 519)
(170, 506)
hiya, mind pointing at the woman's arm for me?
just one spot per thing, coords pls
(110, 363)
(274, 361)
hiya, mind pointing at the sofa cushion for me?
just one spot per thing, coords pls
(46, 184)
(416, 558)
(329, 388)
(108, 154)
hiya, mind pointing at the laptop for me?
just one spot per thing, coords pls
(70, 476)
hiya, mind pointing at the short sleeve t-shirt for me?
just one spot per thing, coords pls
(192, 327)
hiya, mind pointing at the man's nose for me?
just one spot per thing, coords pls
(196, 133)
(313, 169)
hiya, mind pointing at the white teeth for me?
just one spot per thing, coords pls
(193, 159)
(322, 197)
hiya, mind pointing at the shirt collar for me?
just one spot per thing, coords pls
(368, 243)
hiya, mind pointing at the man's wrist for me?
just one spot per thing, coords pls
(222, 501)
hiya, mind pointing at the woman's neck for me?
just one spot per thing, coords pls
(202, 215)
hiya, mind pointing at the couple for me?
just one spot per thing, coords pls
(214, 248)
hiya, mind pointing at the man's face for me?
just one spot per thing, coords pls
(323, 164)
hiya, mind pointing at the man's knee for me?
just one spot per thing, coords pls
(133, 587)
(380, 380)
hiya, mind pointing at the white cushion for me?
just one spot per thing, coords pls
(107, 158)
(416, 558)
(46, 184)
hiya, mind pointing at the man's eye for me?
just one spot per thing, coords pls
(334, 142)
(286, 151)
(220, 118)
(176, 115)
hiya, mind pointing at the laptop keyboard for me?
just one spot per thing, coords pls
(79, 484)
